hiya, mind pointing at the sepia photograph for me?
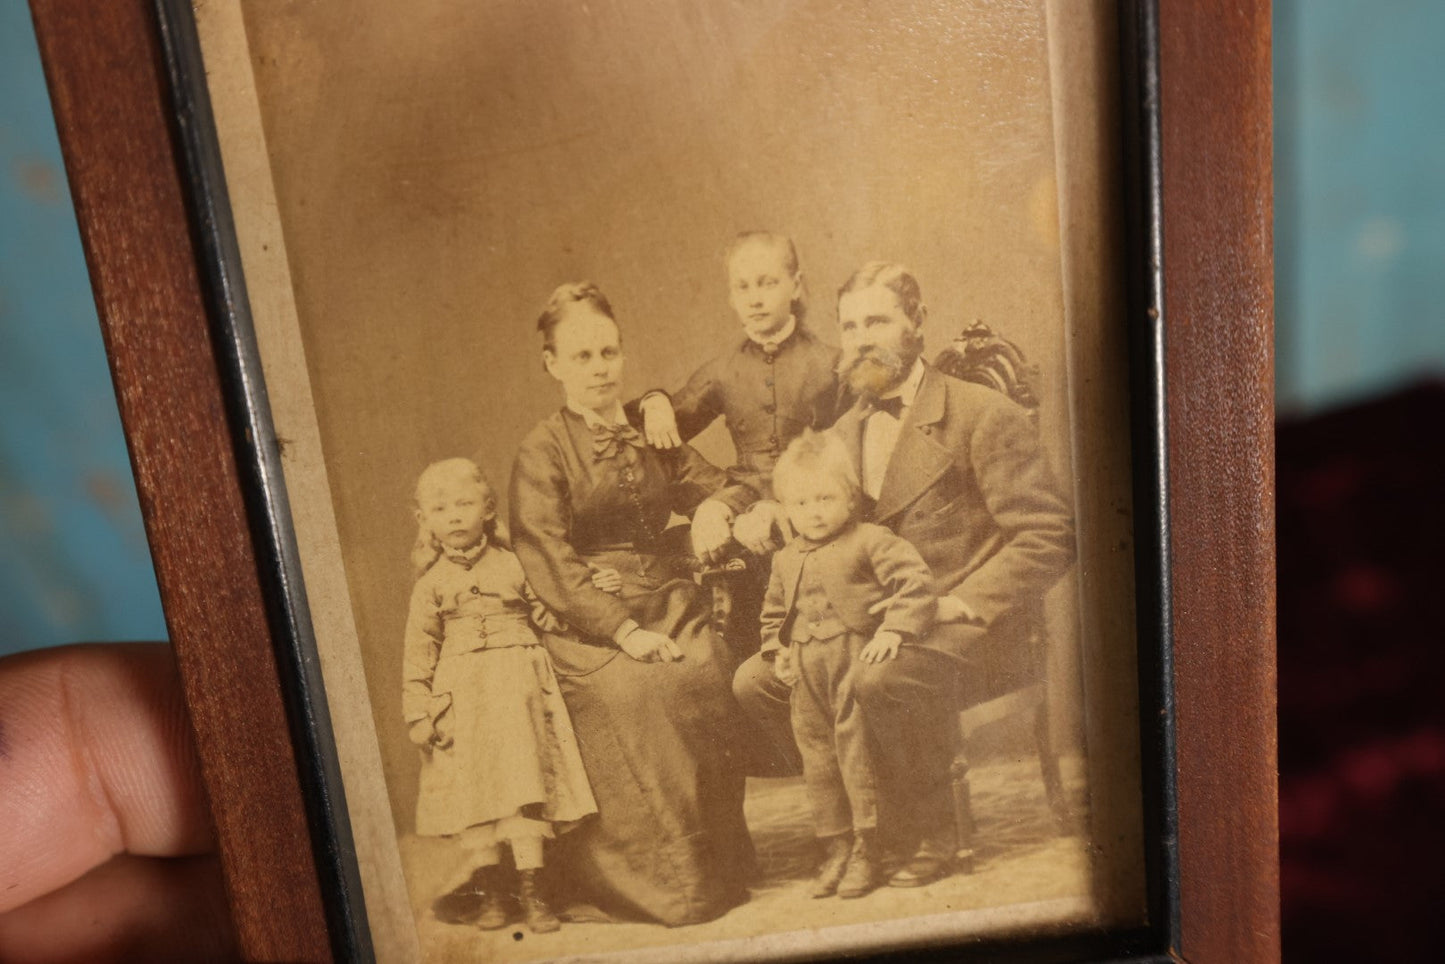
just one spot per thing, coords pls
(705, 428)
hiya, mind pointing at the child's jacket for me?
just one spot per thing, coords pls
(860, 568)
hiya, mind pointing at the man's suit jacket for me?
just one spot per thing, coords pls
(860, 568)
(969, 486)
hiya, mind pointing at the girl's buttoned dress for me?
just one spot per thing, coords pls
(659, 738)
(475, 666)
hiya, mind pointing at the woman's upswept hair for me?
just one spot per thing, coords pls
(817, 453)
(896, 279)
(428, 548)
(563, 298)
(790, 261)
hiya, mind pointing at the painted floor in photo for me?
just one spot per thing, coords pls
(1021, 860)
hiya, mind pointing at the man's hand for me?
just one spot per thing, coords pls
(608, 580)
(951, 609)
(881, 648)
(646, 646)
(764, 528)
(785, 666)
(106, 846)
(711, 531)
(659, 421)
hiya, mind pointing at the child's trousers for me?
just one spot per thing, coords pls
(828, 725)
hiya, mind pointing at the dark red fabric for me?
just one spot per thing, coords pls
(1362, 680)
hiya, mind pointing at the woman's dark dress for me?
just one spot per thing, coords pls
(669, 842)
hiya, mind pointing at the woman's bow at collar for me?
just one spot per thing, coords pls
(608, 440)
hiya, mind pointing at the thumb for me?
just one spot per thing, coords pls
(98, 760)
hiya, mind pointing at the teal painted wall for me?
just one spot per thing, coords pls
(1360, 250)
(73, 558)
(1359, 204)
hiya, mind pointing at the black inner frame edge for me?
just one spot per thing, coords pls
(259, 465)
(1144, 247)
(278, 561)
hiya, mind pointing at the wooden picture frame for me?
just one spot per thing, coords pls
(1197, 181)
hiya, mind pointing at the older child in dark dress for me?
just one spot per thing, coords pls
(769, 384)
(842, 592)
(772, 381)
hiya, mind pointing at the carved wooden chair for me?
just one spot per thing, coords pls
(1030, 699)
(719, 581)
(982, 356)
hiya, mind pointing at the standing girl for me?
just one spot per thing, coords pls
(500, 765)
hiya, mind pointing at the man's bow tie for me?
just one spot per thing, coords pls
(893, 406)
(607, 440)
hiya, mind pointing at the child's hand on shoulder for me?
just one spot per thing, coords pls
(881, 647)
(659, 422)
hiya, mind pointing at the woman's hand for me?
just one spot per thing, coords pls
(646, 646)
(659, 421)
(712, 530)
(608, 580)
(763, 529)
(881, 647)
(785, 666)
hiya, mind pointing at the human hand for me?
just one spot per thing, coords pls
(645, 646)
(951, 609)
(711, 531)
(881, 648)
(442, 731)
(785, 666)
(106, 847)
(608, 580)
(764, 528)
(659, 421)
(421, 733)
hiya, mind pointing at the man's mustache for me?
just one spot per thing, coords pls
(883, 357)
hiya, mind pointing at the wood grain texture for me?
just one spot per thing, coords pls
(1218, 280)
(107, 86)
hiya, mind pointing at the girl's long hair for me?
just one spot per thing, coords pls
(427, 548)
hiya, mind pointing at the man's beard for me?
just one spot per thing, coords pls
(874, 370)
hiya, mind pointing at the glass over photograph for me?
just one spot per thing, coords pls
(705, 432)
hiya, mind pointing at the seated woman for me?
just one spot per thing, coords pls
(643, 675)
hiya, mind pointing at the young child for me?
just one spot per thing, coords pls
(500, 765)
(843, 591)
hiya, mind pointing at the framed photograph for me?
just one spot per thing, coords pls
(682, 480)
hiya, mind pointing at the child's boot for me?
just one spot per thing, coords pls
(835, 862)
(861, 877)
(493, 914)
(535, 912)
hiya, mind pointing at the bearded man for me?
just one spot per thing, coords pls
(957, 470)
